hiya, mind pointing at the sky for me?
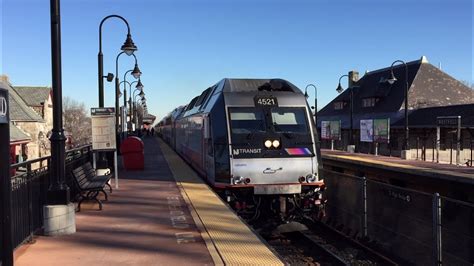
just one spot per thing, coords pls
(185, 46)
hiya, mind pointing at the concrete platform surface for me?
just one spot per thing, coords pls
(462, 173)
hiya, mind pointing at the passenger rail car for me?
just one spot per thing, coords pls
(251, 138)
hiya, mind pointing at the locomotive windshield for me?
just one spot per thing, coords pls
(292, 120)
(247, 120)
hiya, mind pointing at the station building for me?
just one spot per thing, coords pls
(31, 119)
(432, 93)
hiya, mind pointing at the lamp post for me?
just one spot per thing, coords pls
(392, 80)
(351, 108)
(128, 47)
(138, 87)
(315, 101)
(141, 95)
(135, 73)
(58, 192)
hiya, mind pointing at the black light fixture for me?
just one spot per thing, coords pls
(136, 73)
(141, 94)
(339, 88)
(139, 85)
(109, 77)
(392, 78)
(128, 46)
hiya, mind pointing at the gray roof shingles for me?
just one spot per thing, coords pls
(19, 110)
(33, 96)
(17, 134)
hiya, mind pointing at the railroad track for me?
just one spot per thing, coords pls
(320, 244)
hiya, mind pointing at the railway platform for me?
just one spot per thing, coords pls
(449, 172)
(449, 180)
(164, 215)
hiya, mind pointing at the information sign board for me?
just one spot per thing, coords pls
(382, 130)
(103, 128)
(331, 130)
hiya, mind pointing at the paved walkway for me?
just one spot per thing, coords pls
(145, 222)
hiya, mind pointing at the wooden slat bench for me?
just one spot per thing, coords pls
(92, 176)
(89, 184)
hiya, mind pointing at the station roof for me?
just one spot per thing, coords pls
(19, 110)
(17, 135)
(429, 87)
(33, 96)
(427, 117)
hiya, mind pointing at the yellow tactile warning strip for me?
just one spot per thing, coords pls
(234, 242)
(405, 167)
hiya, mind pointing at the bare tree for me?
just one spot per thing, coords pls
(77, 122)
(468, 83)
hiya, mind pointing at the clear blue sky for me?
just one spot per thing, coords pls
(186, 46)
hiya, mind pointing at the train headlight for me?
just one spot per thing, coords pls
(311, 178)
(237, 180)
(276, 143)
(268, 144)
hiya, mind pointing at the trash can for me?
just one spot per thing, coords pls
(132, 153)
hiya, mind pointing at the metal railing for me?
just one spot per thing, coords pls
(30, 183)
(418, 227)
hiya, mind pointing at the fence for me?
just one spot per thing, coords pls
(30, 182)
(418, 227)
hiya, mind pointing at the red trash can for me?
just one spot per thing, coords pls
(133, 157)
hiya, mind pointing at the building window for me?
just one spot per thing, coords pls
(369, 102)
(338, 105)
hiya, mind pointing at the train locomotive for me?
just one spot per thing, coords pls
(254, 141)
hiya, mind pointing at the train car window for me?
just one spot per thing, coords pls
(289, 120)
(209, 96)
(246, 120)
(203, 96)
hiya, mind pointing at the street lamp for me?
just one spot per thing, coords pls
(351, 108)
(139, 87)
(392, 80)
(136, 73)
(128, 47)
(315, 102)
(137, 104)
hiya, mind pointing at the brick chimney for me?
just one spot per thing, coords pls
(353, 77)
(5, 78)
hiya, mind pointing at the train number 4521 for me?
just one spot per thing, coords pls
(266, 101)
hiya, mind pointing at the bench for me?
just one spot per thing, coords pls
(92, 175)
(89, 184)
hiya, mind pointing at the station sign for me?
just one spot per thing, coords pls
(448, 121)
(103, 128)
